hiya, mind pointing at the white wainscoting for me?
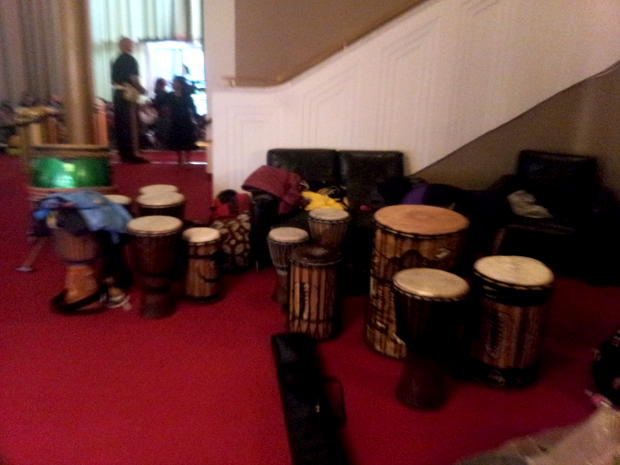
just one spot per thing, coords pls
(426, 84)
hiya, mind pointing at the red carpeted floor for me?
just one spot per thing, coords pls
(200, 387)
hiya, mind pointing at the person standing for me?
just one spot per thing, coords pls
(182, 134)
(127, 88)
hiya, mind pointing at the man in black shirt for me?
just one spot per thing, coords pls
(127, 88)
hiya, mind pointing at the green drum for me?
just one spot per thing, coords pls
(68, 166)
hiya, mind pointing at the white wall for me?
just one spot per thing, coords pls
(219, 43)
(426, 84)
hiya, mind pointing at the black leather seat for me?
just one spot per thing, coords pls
(583, 214)
(357, 172)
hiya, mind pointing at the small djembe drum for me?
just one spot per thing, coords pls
(328, 226)
(162, 204)
(155, 245)
(203, 280)
(314, 301)
(83, 291)
(428, 305)
(281, 242)
(512, 296)
(157, 189)
(407, 236)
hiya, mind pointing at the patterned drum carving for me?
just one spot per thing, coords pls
(512, 296)
(407, 236)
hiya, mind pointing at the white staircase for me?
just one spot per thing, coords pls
(426, 84)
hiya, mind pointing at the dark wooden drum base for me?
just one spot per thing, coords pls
(501, 377)
(158, 300)
(422, 384)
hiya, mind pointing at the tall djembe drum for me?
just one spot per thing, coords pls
(512, 296)
(203, 279)
(155, 246)
(407, 236)
(281, 243)
(314, 300)
(429, 308)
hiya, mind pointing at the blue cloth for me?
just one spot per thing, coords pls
(99, 213)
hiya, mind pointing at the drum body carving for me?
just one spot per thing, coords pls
(407, 236)
(314, 301)
(429, 308)
(163, 204)
(82, 292)
(512, 299)
(328, 226)
(282, 242)
(155, 244)
(203, 280)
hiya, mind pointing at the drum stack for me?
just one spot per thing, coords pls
(307, 279)
(407, 236)
(164, 251)
(418, 306)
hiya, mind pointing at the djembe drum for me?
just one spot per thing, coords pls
(328, 226)
(162, 203)
(428, 306)
(83, 292)
(155, 244)
(203, 280)
(512, 295)
(407, 236)
(157, 189)
(281, 242)
(314, 301)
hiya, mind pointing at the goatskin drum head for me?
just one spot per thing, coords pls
(315, 255)
(162, 199)
(201, 235)
(328, 214)
(425, 220)
(119, 199)
(158, 188)
(427, 282)
(154, 224)
(288, 235)
(514, 270)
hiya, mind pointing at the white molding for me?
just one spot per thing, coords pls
(429, 82)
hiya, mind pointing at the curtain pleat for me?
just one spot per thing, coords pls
(31, 48)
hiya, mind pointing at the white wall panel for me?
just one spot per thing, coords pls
(426, 84)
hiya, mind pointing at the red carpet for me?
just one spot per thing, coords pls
(200, 387)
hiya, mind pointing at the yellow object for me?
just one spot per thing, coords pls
(321, 201)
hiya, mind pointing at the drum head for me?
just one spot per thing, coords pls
(201, 235)
(431, 283)
(424, 220)
(162, 199)
(328, 214)
(158, 188)
(154, 224)
(119, 199)
(514, 270)
(315, 255)
(288, 235)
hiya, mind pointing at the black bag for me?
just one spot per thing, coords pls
(310, 422)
